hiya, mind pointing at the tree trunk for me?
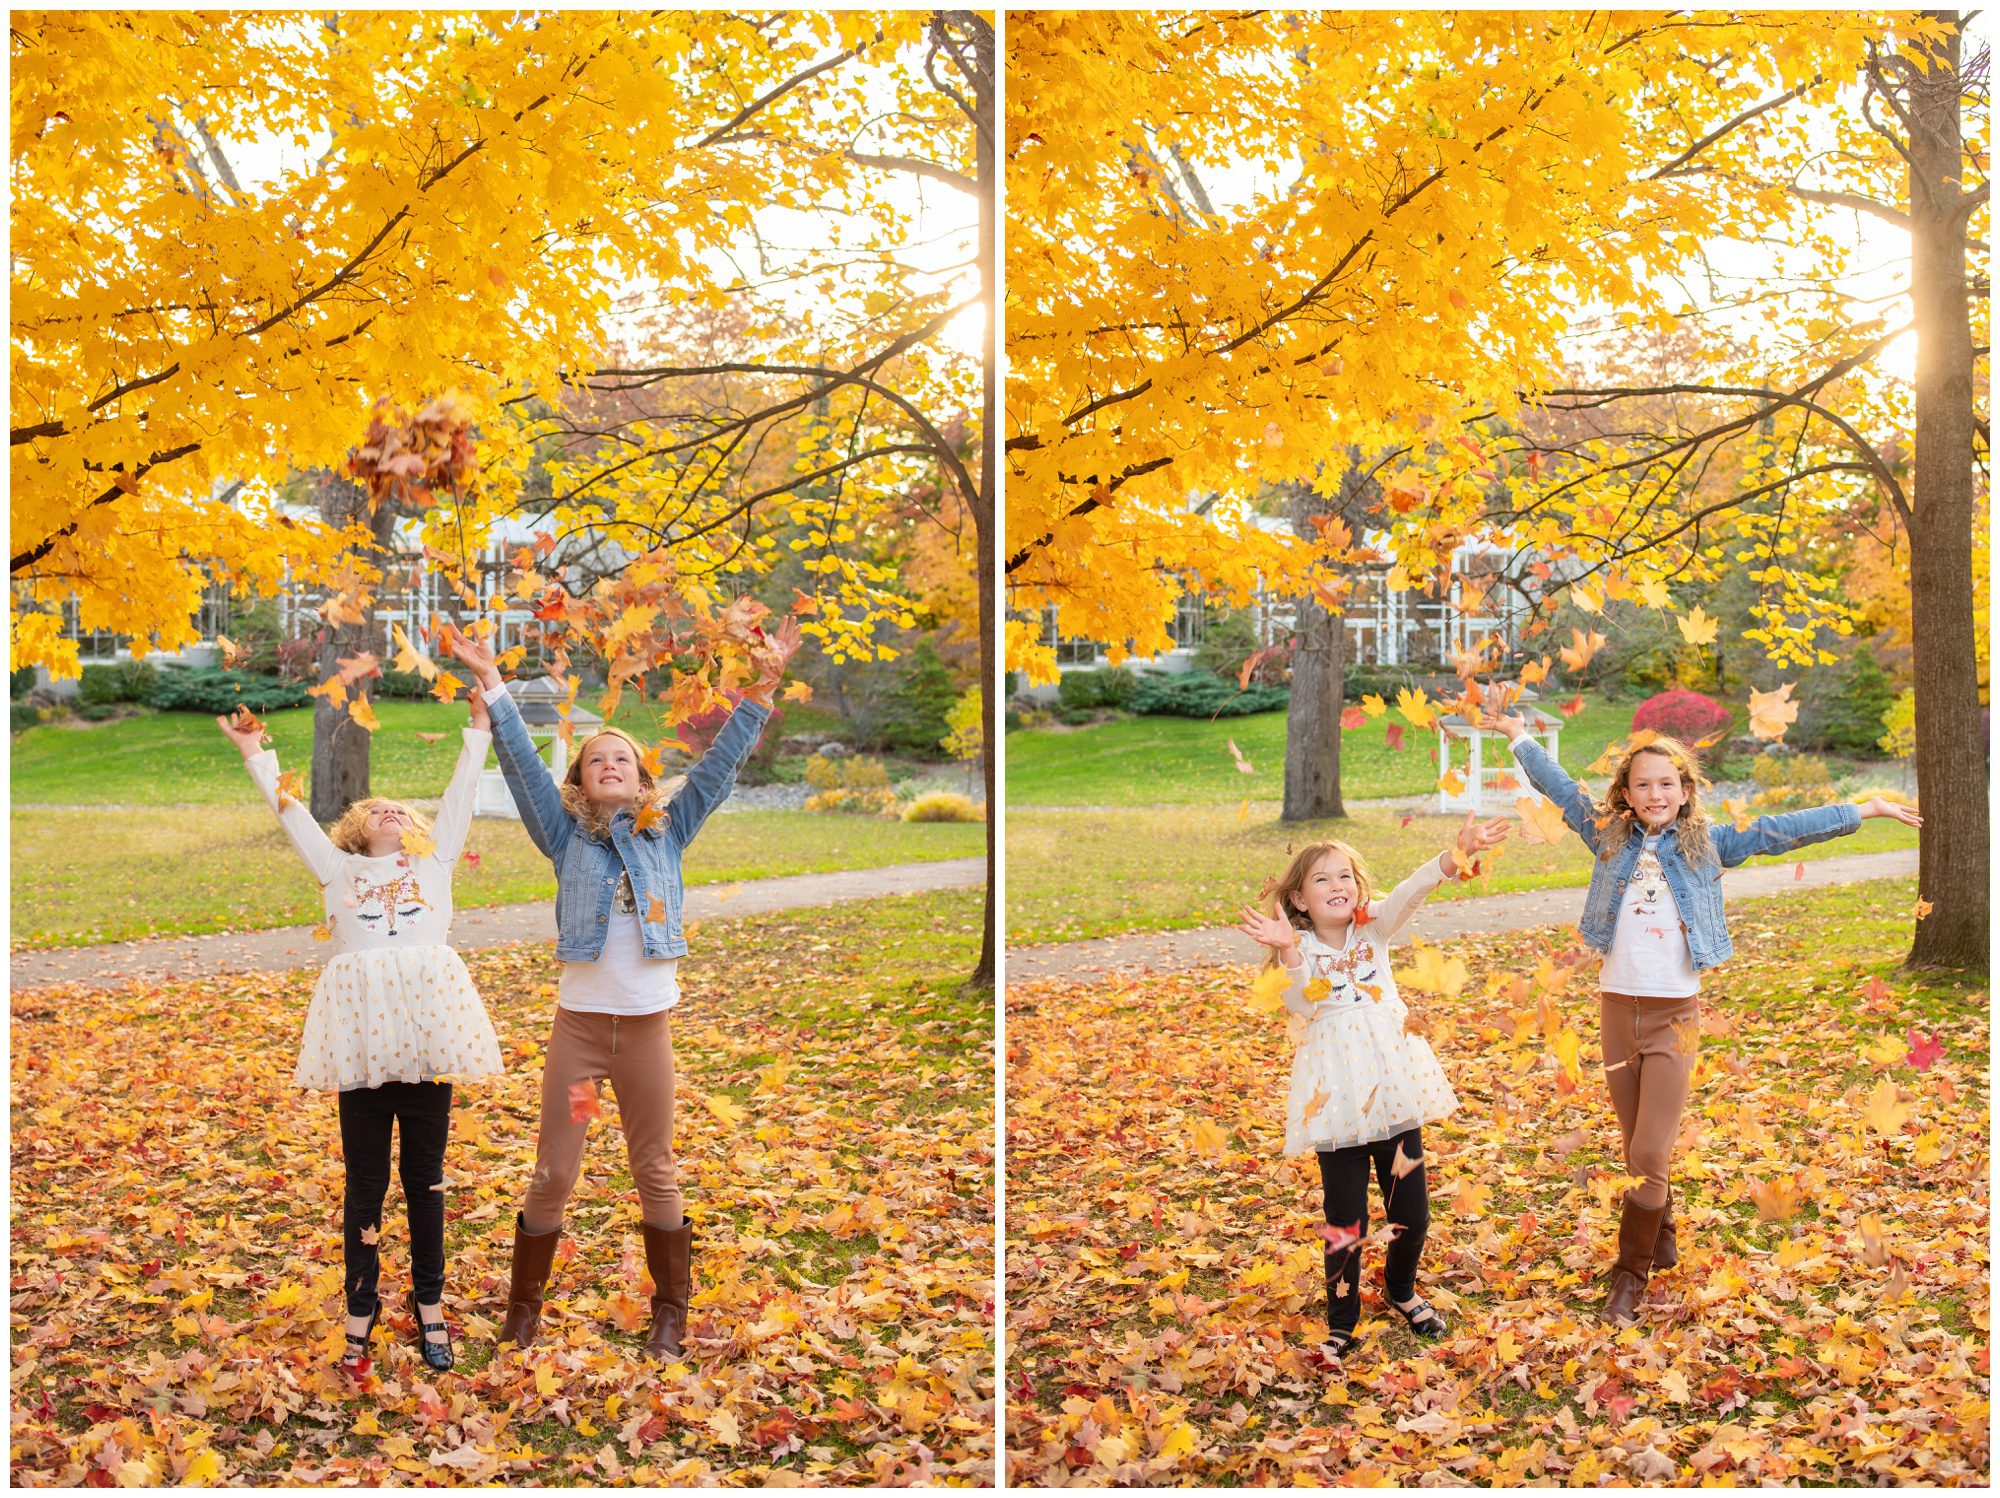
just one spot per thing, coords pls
(1950, 732)
(340, 745)
(984, 975)
(1312, 720)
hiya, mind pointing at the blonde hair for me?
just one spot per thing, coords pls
(587, 813)
(350, 833)
(1278, 895)
(1691, 824)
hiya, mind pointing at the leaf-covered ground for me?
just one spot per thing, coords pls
(1166, 1294)
(176, 1250)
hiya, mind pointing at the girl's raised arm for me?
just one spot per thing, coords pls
(1282, 939)
(534, 789)
(709, 779)
(454, 818)
(306, 836)
(1396, 908)
(1551, 779)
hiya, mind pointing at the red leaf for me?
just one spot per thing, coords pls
(1571, 708)
(1799, 870)
(1924, 1050)
(1352, 717)
(1395, 736)
(582, 1102)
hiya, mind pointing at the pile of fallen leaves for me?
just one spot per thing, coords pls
(176, 1268)
(1827, 1322)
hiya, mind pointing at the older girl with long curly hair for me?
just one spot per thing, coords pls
(1654, 909)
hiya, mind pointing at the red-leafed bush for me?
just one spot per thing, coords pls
(1687, 716)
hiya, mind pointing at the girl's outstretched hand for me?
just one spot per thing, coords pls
(1475, 838)
(1511, 725)
(1877, 807)
(245, 732)
(1268, 930)
(776, 654)
(476, 654)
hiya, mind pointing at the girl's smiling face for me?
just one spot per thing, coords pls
(1654, 790)
(1330, 893)
(385, 827)
(610, 770)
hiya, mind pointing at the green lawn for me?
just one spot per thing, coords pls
(1165, 761)
(175, 758)
(159, 871)
(1074, 874)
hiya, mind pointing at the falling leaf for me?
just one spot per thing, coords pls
(1403, 1164)
(1416, 707)
(1353, 717)
(1874, 1249)
(656, 911)
(583, 1103)
(1236, 754)
(1338, 1238)
(1374, 706)
(429, 738)
(418, 844)
(471, 860)
(1433, 972)
(797, 691)
(1924, 908)
(1777, 1200)
(1697, 628)
(1318, 989)
(322, 933)
(364, 714)
(1577, 654)
(411, 660)
(1452, 783)
(1799, 870)
(1771, 713)
(1394, 736)
(1570, 708)
(1267, 989)
(1884, 1113)
(1924, 1050)
(1317, 1101)
(233, 654)
(371, 1236)
(647, 817)
(1541, 820)
(1533, 673)
(1738, 813)
(447, 687)
(290, 791)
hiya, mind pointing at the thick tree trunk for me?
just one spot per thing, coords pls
(1950, 733)
(1312, 721)
(340, 745)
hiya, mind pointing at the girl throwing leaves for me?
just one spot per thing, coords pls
(1362, 1086)
(615, 837)
(393, 1015)
(1654, 909)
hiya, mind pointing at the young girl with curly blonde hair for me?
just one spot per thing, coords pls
(394, 1015)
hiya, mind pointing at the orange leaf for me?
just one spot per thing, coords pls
(583, 1102)
(656, 911)
(364, 714)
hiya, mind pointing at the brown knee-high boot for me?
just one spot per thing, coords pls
(1638, 1229)
(1666, 1247)
(533, 1254)
(669, 1260)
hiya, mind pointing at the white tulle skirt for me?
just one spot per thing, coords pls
(1358, 1078)
(399, 1014)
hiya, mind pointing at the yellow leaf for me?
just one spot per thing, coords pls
(1267, 989)
(418, 844)
(1771, 713)
(361, 712)
(1434, 973)
(1884, 1114)
(1208, 1139)
(1541, 820)
(546, 1383)
(1318, 989)
(724, 1109)
(1416, 707)
(1697, 628)
(1374, 706)
(1778, 1200)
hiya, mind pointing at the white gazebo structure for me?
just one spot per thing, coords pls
(538, 700)
(1494, 784)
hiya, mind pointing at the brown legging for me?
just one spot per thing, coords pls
(636, 1054)
(1650, 1046)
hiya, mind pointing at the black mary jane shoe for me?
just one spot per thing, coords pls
(1422, 1316)
(355, 1361)
(437, 1356)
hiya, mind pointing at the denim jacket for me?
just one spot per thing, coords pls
(1697, 889)
(588, 866)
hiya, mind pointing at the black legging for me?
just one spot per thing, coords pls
(367, 1115)
(1343, 1175)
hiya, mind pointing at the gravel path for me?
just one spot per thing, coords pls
(293, 946)
(1176, 951)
